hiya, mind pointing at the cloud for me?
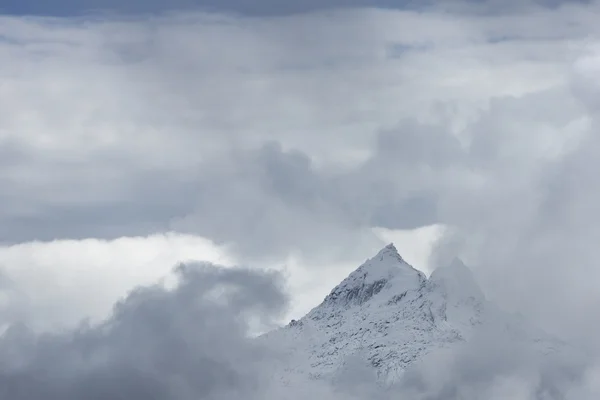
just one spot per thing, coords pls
(53, 286)
(192, 340)
(90, 85)
(295, 136)
(158, 343)
(254, 8)
(117, 165)
(47, 285)
(530, 229)
(189, 341)
(491, 366)
(273, 202)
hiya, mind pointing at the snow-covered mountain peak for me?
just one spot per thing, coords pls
(456, 280)
(389, 251)
(386, 269)
(390, 315)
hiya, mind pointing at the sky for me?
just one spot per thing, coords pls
(300, 139)
(71, 8)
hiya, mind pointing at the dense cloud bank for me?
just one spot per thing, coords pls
(192, 341)
(189, 342)
(290, 131)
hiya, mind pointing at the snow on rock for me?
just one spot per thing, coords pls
(390, 315)
(387, 269)
(456, 279)
(455, 296)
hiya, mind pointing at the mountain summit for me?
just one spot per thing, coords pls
(390, 315)
(385, 269)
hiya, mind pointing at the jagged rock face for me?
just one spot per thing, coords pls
(389, 314)
(387, 268)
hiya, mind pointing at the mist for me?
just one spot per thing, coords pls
(195, 340)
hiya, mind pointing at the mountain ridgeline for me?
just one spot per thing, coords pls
(390, 315)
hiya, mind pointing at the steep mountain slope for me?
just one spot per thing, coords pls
(390, 315)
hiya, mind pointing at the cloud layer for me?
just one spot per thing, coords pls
(53, 286)
(289, 131)
(185, 343)
(192, 341)
(297, 135)
(253, 8)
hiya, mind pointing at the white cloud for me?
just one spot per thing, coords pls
(53, 285)
(415, 246)
(57, 284)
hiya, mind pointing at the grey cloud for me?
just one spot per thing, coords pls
(411, 212)
(191, 342)
(274, 201)
(28, 214)
(256, 7)
(530, 230)
(414, 144)
(185, 343)
(491, 366)
(518, 187)
(269, 202)
(179, 105)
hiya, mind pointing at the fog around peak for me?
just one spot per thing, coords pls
(188, 342)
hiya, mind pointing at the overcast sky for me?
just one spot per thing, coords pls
(267, 137)
(246, 7)
(292, 136)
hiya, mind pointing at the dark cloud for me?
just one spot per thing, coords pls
(189, 342)
(254, 7)
(28, 214)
